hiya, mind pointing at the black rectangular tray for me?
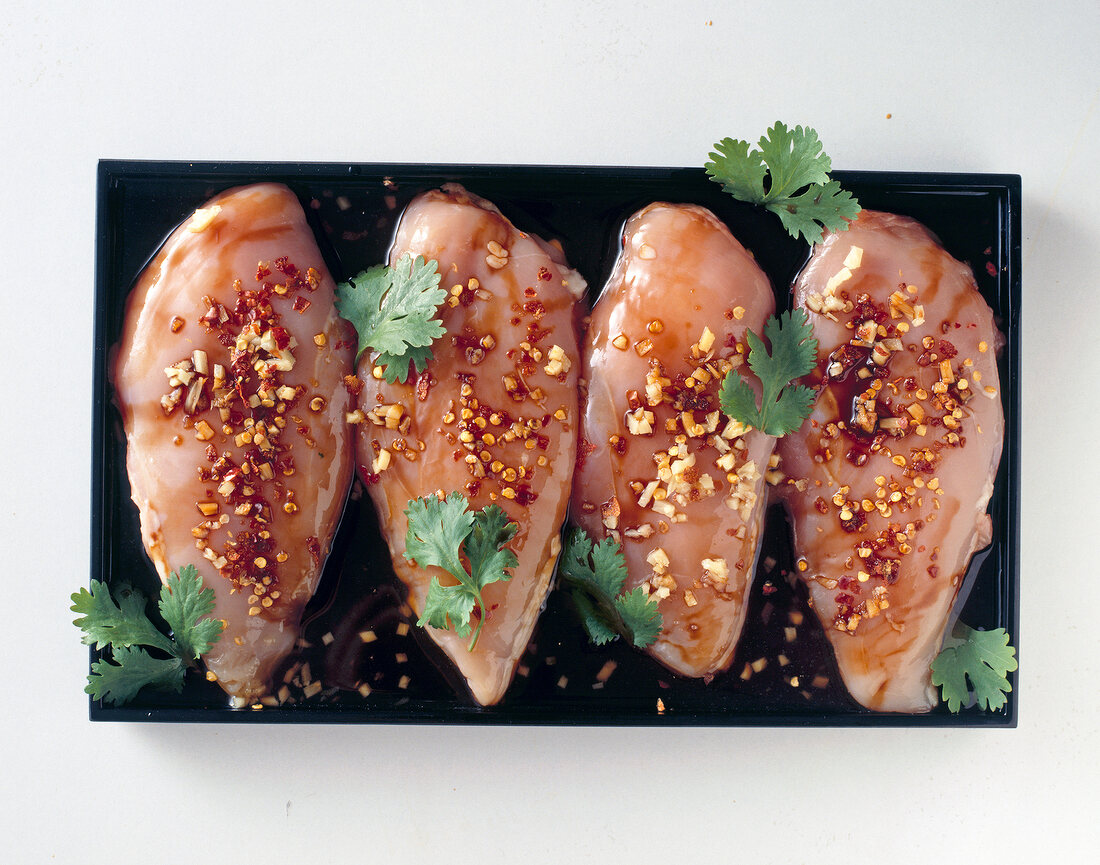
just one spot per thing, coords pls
(354, 209)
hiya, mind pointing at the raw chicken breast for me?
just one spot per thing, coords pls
(230, 381)
(887, 483)
(662, 469)
(494, 415)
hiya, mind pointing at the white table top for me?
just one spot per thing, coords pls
(973, 87)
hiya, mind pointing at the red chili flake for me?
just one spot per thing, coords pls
(919, 462)
(821, 505)
(933, 571)
(947, 350)
(769, 589)
(545, 275)
(991, 268)
(284, 265)
(865, 309)
(585, 448)
(353, 385)
(856, 457)
(535, 333)
(281, 336)
(301, 304)
(857, 521)
(473, 487)
(314, 547)
(262, 272)
(423, 385)
(529, 292)
(525, 495)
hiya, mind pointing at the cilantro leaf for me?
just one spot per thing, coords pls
(983, 657)
(436, 531)
(818, 206)
(119, 625)
(597, 575)
(134, 669)
(638, 612)
(396, 368)
(784, 405)
(486, 546)
(606, 575)
(183, 604)
(393, 310)
(789, 175)
(448, 607)
(440, 533)
(124, 626)
(739, 172)
(596, 622)
(795, 159)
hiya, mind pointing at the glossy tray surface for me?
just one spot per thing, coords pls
(561, 679)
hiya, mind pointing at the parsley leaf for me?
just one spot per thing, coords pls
(983, 657)
(789, 175)
(393, 310)
(784, 405)
(440, 533)
(123, 626)
(597, 575)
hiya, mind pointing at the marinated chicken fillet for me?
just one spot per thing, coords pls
(662, 469)
(230, 381)
(494, 415)
(888, 481)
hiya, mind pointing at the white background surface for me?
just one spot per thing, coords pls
(998, 87)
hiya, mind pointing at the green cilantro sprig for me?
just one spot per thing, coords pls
(393, 311)
(793, 354)
(444, 533)
(983, 657)
(123, 626)
(788, 175)
(596, 575)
